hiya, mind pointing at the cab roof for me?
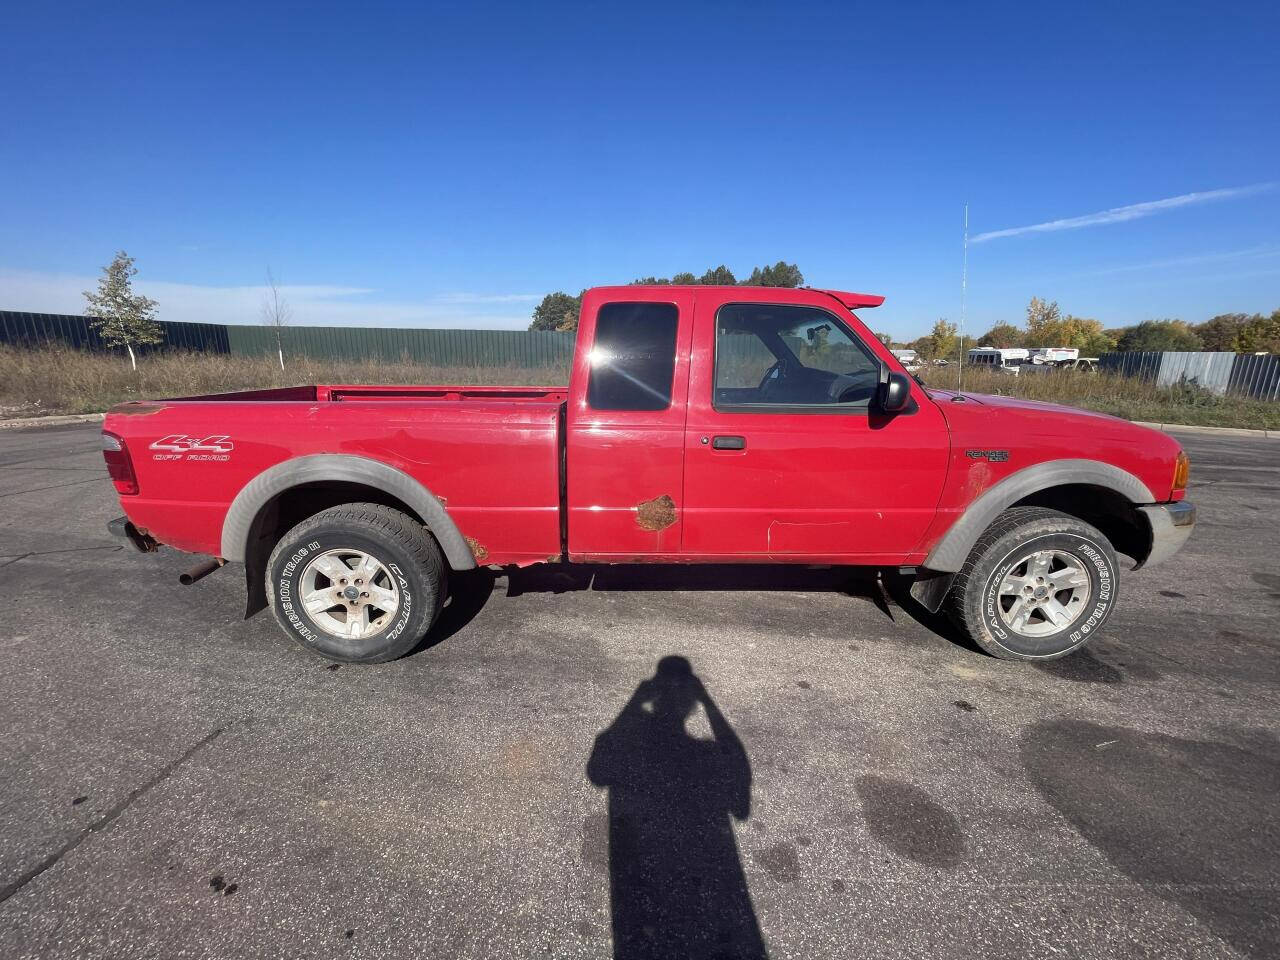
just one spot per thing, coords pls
(853, 301)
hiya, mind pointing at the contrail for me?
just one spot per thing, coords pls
(1134, 211)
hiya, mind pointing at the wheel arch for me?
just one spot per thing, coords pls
(255, 517)
(1096, 492)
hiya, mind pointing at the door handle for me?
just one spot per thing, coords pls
(729, 443)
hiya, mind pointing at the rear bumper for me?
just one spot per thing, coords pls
(1171, 525)
(122, 527)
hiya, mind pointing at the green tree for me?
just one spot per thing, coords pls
(1043, 318)
(720, 276)
(781, 274)
(1159, 335)
(1003, 335)
(1260, 334)
(1219, 333)
(118, 315)
(557, 311)
(886, 339)
(923, 346)
(685, 279)
(943, 343)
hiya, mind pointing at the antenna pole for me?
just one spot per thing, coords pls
(964, 286)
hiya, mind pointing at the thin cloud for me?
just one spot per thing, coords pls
(1250, 253)
(1135, 211)
(487, 297)
(312, 305)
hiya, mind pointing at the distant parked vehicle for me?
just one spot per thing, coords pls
(1005, 359)
(1054, 355)
(909, 359)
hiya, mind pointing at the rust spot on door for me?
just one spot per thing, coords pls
(478, 549)
(656, 514)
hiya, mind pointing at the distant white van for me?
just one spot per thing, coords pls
(1004, 359)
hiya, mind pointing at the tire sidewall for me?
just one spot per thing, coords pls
(1099, 563)
(284, 574)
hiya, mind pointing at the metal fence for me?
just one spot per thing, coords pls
(449, 348)
(1237, 374)
(34, 329)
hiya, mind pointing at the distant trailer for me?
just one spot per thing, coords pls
(1055, 355)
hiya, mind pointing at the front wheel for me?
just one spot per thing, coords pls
(359, 583)
(1037, 585)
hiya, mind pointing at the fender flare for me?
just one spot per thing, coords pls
(259, 491)
(950, 553)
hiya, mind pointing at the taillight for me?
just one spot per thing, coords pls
(1181, 471)
(119, 464)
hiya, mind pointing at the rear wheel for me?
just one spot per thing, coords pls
(360, 583)
(1037, 585)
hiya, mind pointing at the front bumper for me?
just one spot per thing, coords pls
(1171, 524)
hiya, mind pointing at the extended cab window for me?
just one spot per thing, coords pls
(634, 356)
(771, 355)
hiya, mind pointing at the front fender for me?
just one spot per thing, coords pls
(950, 553)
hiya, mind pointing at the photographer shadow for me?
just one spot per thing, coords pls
(677, 887)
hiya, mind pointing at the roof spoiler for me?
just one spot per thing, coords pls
(854, 300)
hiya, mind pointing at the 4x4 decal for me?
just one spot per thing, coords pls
(179, 446)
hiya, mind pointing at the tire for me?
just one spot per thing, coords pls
(327, 557)
(1003, 597)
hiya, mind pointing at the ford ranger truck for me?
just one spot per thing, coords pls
(700, 425)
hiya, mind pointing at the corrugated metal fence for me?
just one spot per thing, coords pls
(1239, 374)
(518, 348)
(38, 328)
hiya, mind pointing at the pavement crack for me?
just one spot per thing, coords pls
(15, 557)
(53, 486)
(107, 818)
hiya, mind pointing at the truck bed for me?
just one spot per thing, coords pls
(490, 454)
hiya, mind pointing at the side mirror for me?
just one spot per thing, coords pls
(895, 392)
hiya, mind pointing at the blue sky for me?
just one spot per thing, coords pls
(447, 165)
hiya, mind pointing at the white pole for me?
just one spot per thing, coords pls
(964, 284)
(132, 359)
(281, 352)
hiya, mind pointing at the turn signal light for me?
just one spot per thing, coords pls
(119, 464)
(1181, 470)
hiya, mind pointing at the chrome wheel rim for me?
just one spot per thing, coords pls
(349, 593)
(1044, 593)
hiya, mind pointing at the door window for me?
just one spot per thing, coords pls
(633, 358)
(775, 355)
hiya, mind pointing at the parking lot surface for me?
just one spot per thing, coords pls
(850, 782)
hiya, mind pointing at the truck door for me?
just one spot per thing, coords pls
(786, 456)
(625, 435)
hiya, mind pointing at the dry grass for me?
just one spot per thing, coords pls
(1125, 397)
(58, 380)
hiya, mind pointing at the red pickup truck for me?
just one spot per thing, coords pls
(700, 424)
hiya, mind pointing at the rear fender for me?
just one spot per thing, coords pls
(330, 467)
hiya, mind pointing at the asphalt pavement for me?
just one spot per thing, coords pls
(851, 781)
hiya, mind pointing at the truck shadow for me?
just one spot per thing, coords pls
(471, 590)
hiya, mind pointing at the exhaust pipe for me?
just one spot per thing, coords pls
(200, 570)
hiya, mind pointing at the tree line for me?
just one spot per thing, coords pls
(559, 310)
(1047, 326)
